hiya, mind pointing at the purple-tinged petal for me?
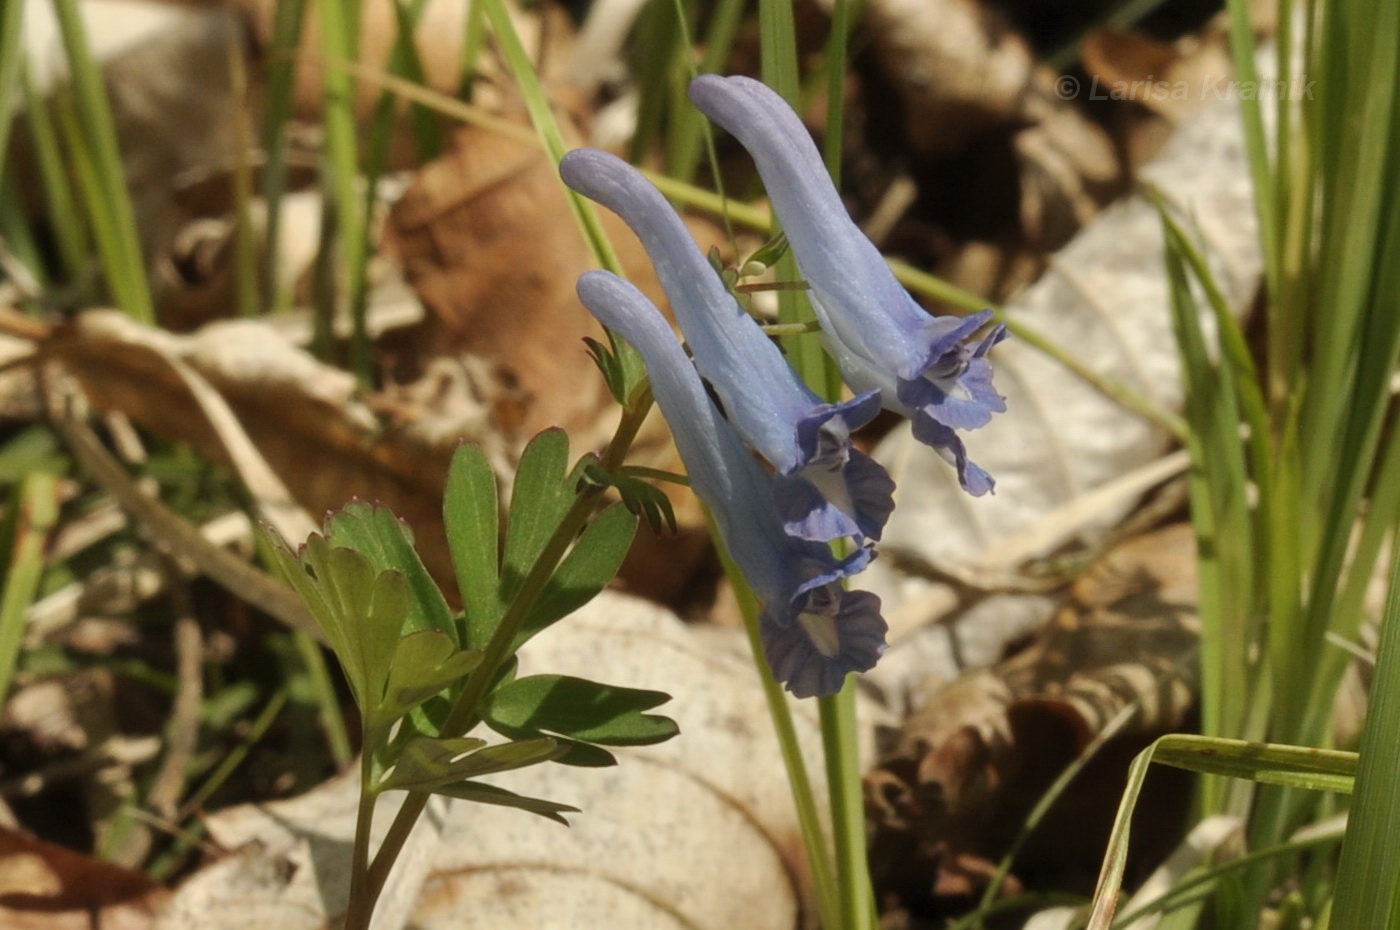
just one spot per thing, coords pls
(973, 478)
(958, 392)
(783, 570)
(861, 375)
(839, 633)
(850, 498)
(770, 406)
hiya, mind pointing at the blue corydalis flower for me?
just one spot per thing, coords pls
(869, 320)
(826, 489)
(814, 631)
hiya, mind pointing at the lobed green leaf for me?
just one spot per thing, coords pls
(587, 569)
(472, 518)
(425, 662)
(387, 542)
(429, 764)
(490, 794)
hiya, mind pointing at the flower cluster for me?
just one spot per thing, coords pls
(778, 522)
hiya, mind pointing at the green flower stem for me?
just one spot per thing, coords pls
(367, 883)
(803, 797)
(361, 906)
(839, 735)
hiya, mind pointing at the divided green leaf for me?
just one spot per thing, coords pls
(587, 569)
(429, 764)
(490, 794)
(538, 502)
(583, 710)
(425, 662)
(640, 497)
(472, 518)
(387, 543)
(362, 611)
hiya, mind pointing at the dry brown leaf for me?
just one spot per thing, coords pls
(1105, 300)
(47, 887)
(981, 750)
(486, 238)
(1162, 84)
(957, 66)
(303, 417)
(1174, 80)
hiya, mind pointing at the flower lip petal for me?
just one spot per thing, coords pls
(813, 656)
(973, 478)
(814, 429)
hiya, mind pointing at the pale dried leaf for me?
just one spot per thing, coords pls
(1104, 297)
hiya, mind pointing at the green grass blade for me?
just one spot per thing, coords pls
(473, 41)
(124, 265)
(11, 67)
(1368, 875)
(542, 116)
(280, 85)
(328, 712)
(33, 511)
(1272, 763)
(70, 232)
(342, 176)
(691, 132)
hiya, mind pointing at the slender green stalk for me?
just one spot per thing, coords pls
(537, 102)
(360, 908)
(1368, 876)
(280, 86)
(70, 232)
(33, 510)
(838, 712)
(234, 759)
(343, 178)
(124, 264)
(245, 261)
(684, 148)
(804, 798)
(327, 703)
(835, 59)
(840, 739)
(11, 67)
(473, 41)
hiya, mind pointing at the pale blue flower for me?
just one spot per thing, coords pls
(814, 631)
(826, 489)
(869, 320)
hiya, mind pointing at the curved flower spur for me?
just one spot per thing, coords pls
(814, 631)
(825, 489)
(928, 368)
